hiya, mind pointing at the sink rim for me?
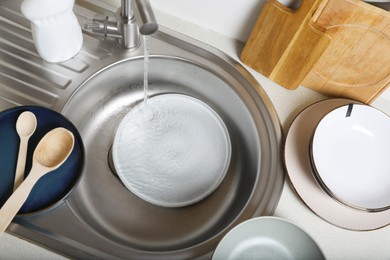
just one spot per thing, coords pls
(276, 168)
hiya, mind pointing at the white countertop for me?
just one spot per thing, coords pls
(336, 243)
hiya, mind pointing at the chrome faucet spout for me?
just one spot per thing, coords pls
(141, 11)
(146, 20)
(134, 17)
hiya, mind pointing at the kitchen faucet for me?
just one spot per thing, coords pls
(134, 17)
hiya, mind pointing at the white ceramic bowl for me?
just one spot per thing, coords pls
(350, 154)
(172, 152)
(267, 238)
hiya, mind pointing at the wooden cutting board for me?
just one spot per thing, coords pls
(338, 47)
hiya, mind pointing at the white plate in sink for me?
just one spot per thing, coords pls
(172, 152)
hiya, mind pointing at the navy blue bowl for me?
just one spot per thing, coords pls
(52, 188)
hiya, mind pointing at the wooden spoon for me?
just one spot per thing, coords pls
(50, 153)
(25, 127)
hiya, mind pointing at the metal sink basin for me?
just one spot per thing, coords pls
(101, 218)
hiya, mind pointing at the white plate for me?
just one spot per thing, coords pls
(172, 152)
(267, 238)
(302, 178)
(350, 152)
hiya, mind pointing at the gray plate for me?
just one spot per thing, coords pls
(267, 238)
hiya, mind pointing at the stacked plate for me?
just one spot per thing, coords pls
(336, 155)
(349, 154)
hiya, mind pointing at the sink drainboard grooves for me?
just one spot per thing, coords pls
(25, 78)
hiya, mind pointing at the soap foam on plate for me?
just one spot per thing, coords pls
(172, 151)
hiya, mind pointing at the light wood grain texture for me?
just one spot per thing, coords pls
(284, 44)
(50, 153)
(338, 47)
(357, 62)
(25, 127)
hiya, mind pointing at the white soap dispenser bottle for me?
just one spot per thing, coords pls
(56, 32)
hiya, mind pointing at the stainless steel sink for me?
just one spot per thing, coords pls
(101, 218)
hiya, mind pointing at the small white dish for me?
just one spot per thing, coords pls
(267, 238)
(350, 154)
(301, 176)
(173, 151)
